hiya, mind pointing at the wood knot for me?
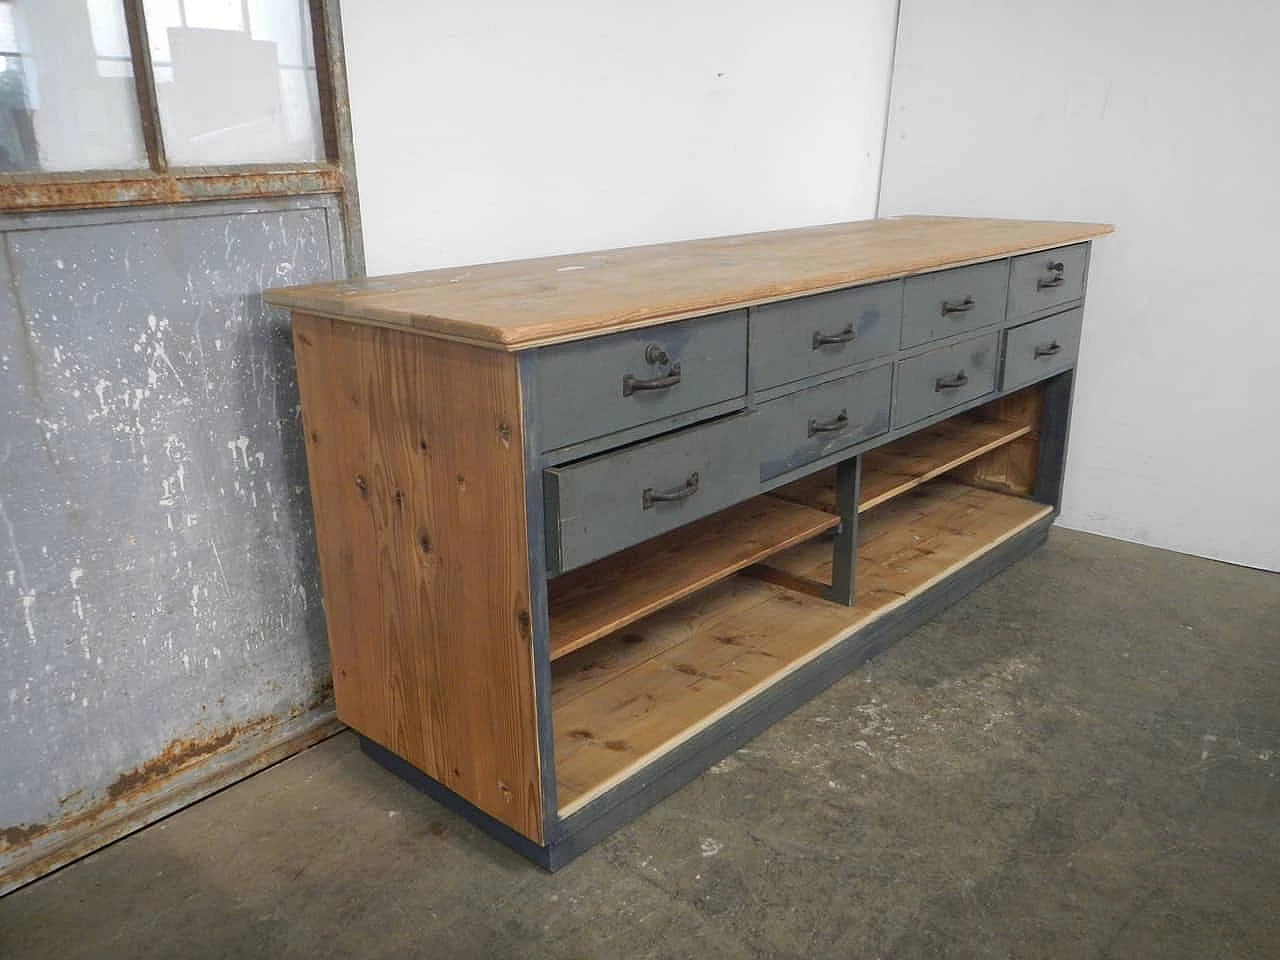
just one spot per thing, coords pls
(424, 542)
(422, 445)
(525, 621)
(362, 485)
(691, 671)
(315, 436)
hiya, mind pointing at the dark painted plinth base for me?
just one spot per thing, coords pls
(628, 800)
(438, 791)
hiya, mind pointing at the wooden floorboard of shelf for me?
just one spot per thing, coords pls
(634, 695)
(904, 464)
(600, 598)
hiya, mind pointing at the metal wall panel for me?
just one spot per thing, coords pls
(160, 615)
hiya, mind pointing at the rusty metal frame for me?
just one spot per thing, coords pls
(335, 116)
(144, 81)
(162, 184)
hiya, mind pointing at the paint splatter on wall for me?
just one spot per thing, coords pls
(157, 574)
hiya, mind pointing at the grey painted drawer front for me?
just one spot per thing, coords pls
(1041, 348)
(1036, 282)
(582, 389)
(950, 302)
(944, 378)
(802, 427)
(600, 505)
(812, 335)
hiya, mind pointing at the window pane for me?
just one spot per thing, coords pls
(286, 25)
(67, 99)
(161, 17)
(232, 91)
(107, 25)
(215, 14)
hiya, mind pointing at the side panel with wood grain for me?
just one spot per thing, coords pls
(415, 457)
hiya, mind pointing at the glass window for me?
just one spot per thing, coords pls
(235, 81)
(215, 14)
(67, 96)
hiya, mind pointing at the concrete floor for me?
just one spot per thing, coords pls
(1079, 760)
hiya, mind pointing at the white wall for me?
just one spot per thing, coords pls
(1162, 117)
(490, 131)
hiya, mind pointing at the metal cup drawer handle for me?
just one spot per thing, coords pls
(1055, 278)
(655, 355)
(682, 492)
(1048, 350)
(951, 383)
(847, 335)
(958, 306)
(837, 423)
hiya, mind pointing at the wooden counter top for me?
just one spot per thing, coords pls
(519, 304)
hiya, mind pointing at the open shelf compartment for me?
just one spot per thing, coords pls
(635, 694)
(897, 467)
(592, 601)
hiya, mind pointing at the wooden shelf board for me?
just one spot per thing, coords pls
(605, 596)
(891, 534)
(635, 694)
(900, 466)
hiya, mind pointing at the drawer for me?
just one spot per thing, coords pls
(593, 387)
(950, 302)
(1041, 348)
(1042, 280)
(944, 378)
(812, 335)
(805, 426)
(598, 506)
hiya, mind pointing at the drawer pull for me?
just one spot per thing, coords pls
(683, 492)
(630, 383)
(847, 335)
(1056, 267)
(834, 425)
(1048, 350)
(951, 383)
(962, 306)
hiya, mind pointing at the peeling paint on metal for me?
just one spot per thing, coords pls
(78, 192)
(42, 847)
(156, 553)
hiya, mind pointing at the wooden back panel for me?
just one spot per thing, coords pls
(1012, 467)
(415, 454)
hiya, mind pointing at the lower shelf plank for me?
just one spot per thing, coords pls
(940, 516)
(632, 696)
(593, 601)
(902, 465)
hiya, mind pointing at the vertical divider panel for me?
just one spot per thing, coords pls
(1054, 427)
(844, 550)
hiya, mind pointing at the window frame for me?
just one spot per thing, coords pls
(161, 183)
